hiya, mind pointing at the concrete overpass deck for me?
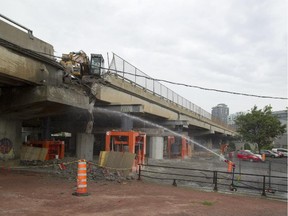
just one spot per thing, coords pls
(124, 96)
(33, 93)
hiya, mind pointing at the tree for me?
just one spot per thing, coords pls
(259, 126)
(247, 146)
(231, 147)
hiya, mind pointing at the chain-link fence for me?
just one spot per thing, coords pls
(129, 72)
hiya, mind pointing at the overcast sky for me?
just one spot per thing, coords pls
(232, 45)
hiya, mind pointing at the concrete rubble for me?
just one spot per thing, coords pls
(67, 168)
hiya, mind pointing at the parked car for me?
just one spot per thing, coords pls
(269, 153)
(258, 155)
(246, 155)
(283, 151)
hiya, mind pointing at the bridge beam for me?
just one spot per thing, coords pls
(157, 132)
(41, 101)
(23, 39)
(119, 91)
(175, 123)
(25, 60)
(123, 108)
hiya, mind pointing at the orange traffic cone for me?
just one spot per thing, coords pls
(81, 179)
(230, 166)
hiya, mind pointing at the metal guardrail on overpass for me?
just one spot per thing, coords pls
(129, 72)
(133, 74)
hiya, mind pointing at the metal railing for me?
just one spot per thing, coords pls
(266, 185)
(129, 72)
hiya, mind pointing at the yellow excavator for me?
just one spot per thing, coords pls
(78, 64)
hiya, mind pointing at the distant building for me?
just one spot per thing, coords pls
(232, 117)
(281, 142)
(221, 112)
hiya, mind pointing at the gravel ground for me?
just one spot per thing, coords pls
(47, 190)
(33, 193)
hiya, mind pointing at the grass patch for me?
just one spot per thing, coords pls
(207, 203)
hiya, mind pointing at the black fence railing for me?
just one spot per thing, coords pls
(266, 185)
(267, 166)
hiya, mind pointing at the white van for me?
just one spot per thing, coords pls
(282, 150)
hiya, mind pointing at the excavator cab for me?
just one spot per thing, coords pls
(96, 64)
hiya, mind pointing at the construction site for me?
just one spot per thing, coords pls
(78, 137)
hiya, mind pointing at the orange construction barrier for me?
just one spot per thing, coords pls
(81, 179)
(263, 157)
(230, 166)
(55, 148)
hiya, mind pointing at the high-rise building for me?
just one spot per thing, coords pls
(221, 112)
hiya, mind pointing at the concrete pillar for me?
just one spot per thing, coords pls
(10, 138)
(156, 147)
(46, 135)
(177, 146)
(126, 123)
(191, 135)
(72, 143)
(209, 143)
(84, 146)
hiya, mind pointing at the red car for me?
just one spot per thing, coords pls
(245, 155)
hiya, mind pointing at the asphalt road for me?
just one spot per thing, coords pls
(248, 175)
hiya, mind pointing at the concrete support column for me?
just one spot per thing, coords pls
(186, 150)
(209, 143)
(126, 123)
(156, 147)
(46, 135)
(191, 135)
(84, 146)
(10, 138)
(72, 143)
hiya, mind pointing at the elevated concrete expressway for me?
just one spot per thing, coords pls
(33, 95)
(31, 87)
(124, 96)
(150, 113)
(31, 81)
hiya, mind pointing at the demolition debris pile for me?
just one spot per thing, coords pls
(67, 168)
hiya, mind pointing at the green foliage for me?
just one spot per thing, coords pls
(259, 126)
(207, 203)
(267, 146)
(231, 147)
(247, 146)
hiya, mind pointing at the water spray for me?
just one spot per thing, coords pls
(231, 165)
(158, 126)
